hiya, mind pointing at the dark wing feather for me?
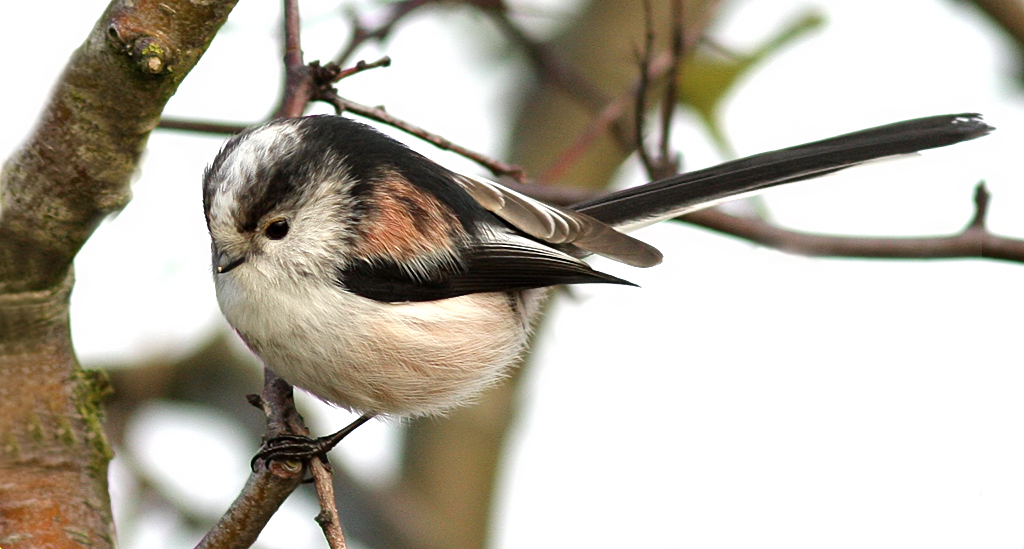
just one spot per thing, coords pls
(489, 266)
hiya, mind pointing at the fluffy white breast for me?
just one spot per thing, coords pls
(384, 358)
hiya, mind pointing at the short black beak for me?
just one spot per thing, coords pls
(224, 263)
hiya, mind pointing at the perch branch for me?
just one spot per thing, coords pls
(271, 483)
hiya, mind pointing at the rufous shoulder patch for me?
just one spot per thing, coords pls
(403, 223)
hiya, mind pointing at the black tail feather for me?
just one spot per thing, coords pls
(694, 190)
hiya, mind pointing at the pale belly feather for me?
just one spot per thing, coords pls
(382, 358)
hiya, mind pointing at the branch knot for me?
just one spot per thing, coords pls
(150, 54)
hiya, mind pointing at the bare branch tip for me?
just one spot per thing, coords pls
(322, 519)
(981, 202)
(359, 67)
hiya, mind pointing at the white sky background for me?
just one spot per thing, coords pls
(742, 396)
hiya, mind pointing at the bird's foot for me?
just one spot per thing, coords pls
(302, 448)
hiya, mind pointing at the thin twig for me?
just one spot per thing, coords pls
(362, 66)
(222, 128)
(496, 167)
(361, 34)
(610, 115)
(973, 242)
(981, 199)
(640, 101)
(271, 483)
(668, 160)
(298, 86)
(328, 518)
(268, 486)
(554, 70)
(323, 480)
(301, 86)
(551, 66)
(323, 76)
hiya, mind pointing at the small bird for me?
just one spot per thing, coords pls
(381, 282)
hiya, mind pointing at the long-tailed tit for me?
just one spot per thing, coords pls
(381, 282)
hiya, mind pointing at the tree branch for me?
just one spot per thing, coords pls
(361, 34)
(1008, 14)
(222, 128)
(605, 120)
(298, 84)
(668, 160)
(71, 173)
(268, 486)
(973, 242)
(640, 99)
(665, 162)
(981, 200)
(360, 67)
(328, 518)
(551, 66)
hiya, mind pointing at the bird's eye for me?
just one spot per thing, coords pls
(277, 230)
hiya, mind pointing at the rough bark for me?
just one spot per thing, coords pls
(71, 173)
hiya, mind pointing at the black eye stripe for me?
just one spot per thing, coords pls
(277, 230)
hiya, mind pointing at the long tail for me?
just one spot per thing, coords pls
(636, 207)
